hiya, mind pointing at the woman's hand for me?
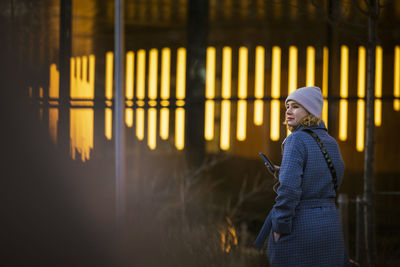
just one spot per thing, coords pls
(276, 236)
(276, 172)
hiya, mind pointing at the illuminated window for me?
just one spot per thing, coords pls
(241, 120)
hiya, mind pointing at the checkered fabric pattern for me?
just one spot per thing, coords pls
(305, 213)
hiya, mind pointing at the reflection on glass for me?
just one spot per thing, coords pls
(181, 73)
(53, 123)
(141, 72)
(180, 128)
(292, 79)
(54, 82)
(361, 71)
(30, 91)
(226, 71)
(225, 124)
(275, 120)
(130, 69)
(129, 117)
(258, 112)
(165, 72)
(153, 73)
(108, 123)
(41, 93)
(164, 123)
(360, 125)
(209, 120)
(259, 72)
(140, 123)
(260, 9)
(241, 120)
(151, 128)
(109, 75)
(210, 72)
(396, 85)
(276, 72)
(343, 119)
(82, 87)
(41, 113)
(378, 112)
(325, 72)
(242, 73)
(81, 132)
(310, 76)
(344, 71)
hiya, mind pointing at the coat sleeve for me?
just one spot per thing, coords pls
(289, 191)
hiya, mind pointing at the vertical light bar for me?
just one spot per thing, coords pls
(378, 85)
(361, 78)
(325, 112)
(210, 72)
(141, 72)
(344, 82)
(181, 75)
(109, 75)
(153, 73)
(84, 68)
(275, 93)
(140, 123)
(180, 128)
(54, 87)
(73, 79)
(130, 69)
(91, 75)
(151, 128)
(276, 72)
(360, 125)
(165, 72)
(129, 117)
(292, 82)
(361, 71)
(310, 77)
(226, 72)
(258, 112)
(241, 120)
(225, 124)
(53, 124)
(242, 75)
(275, 120)
(396, 85)
(343, 112)
(378, 112)
(325, 72)
(164, 123)
(259, 85)
(108, 123)
(259, 72)
(344, 71)
(209, 120)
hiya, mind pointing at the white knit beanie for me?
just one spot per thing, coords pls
(310, 98)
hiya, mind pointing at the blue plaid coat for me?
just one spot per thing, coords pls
(305, 213)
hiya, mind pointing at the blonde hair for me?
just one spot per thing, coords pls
(308, 120)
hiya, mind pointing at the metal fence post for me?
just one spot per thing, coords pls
(359, 227)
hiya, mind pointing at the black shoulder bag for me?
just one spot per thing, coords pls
(326, 156)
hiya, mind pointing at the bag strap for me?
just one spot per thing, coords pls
(326, 157)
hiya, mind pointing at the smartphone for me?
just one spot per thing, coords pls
(270, 165)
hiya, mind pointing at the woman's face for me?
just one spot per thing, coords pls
(294, 113)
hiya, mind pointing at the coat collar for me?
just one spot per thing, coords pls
(320, 126)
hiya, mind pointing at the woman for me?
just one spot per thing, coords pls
(303, 225)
